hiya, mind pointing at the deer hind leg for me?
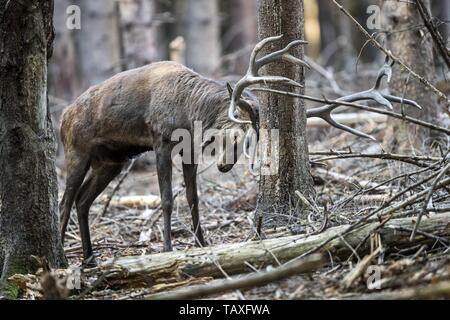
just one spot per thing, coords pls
(77, 168)
(164, 171)
(190, 180)
(99, 178)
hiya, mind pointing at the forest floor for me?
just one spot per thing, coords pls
(227, 203)
(350, 187)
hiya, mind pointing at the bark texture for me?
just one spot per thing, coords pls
(277, 200)
(414, 47)
(28, 187)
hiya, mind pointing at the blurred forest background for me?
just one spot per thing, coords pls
(214, 37)
(354, 178)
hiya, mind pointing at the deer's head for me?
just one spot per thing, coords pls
(244, 106)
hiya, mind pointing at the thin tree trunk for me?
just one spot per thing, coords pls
(241, 33)
(201, 29)
(139, 33)
(441, 9)
(97, 43)
(28, 188)
(62, 69)
(415, 48)
(277, 199)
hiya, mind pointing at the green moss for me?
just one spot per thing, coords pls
(9, 290)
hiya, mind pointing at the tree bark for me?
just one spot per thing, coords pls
(415, 48)
(277, 201)
(28, 187)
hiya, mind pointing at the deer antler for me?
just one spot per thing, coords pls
(374, 94)
(252, 77)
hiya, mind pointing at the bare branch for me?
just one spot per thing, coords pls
(427, 199)
(254, 280)
(437, 37)
(375, 43)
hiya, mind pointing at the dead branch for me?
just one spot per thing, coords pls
(435, 34)
(428, 198)
(348, 119)
(385, 214)
(119, 183)
(360, 268)
(147, 201)
(415, 160)
(375, 43)
(308, 264)
(234, 258)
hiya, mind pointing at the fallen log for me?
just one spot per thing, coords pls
(138, 202)
(348, 119)
(253, 280)
(235, 258)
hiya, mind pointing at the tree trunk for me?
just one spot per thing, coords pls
(98, 42)
(240, 34)
(415, 48)
(28, 188)
(201, 29)
(441, 10)
(277, 199)
(62, 69)
(139, 33)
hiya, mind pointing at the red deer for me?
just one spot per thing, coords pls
(136, 111)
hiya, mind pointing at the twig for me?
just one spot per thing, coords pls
(387, 213)
(360, 268)
(428, 198)
(119, 183)
(375, 43)
(385, 156)
(254, 280)
(437, 37)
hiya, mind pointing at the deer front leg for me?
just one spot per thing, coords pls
(190, 180)
(164, 171)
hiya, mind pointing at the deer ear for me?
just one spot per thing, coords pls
(230, 89)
